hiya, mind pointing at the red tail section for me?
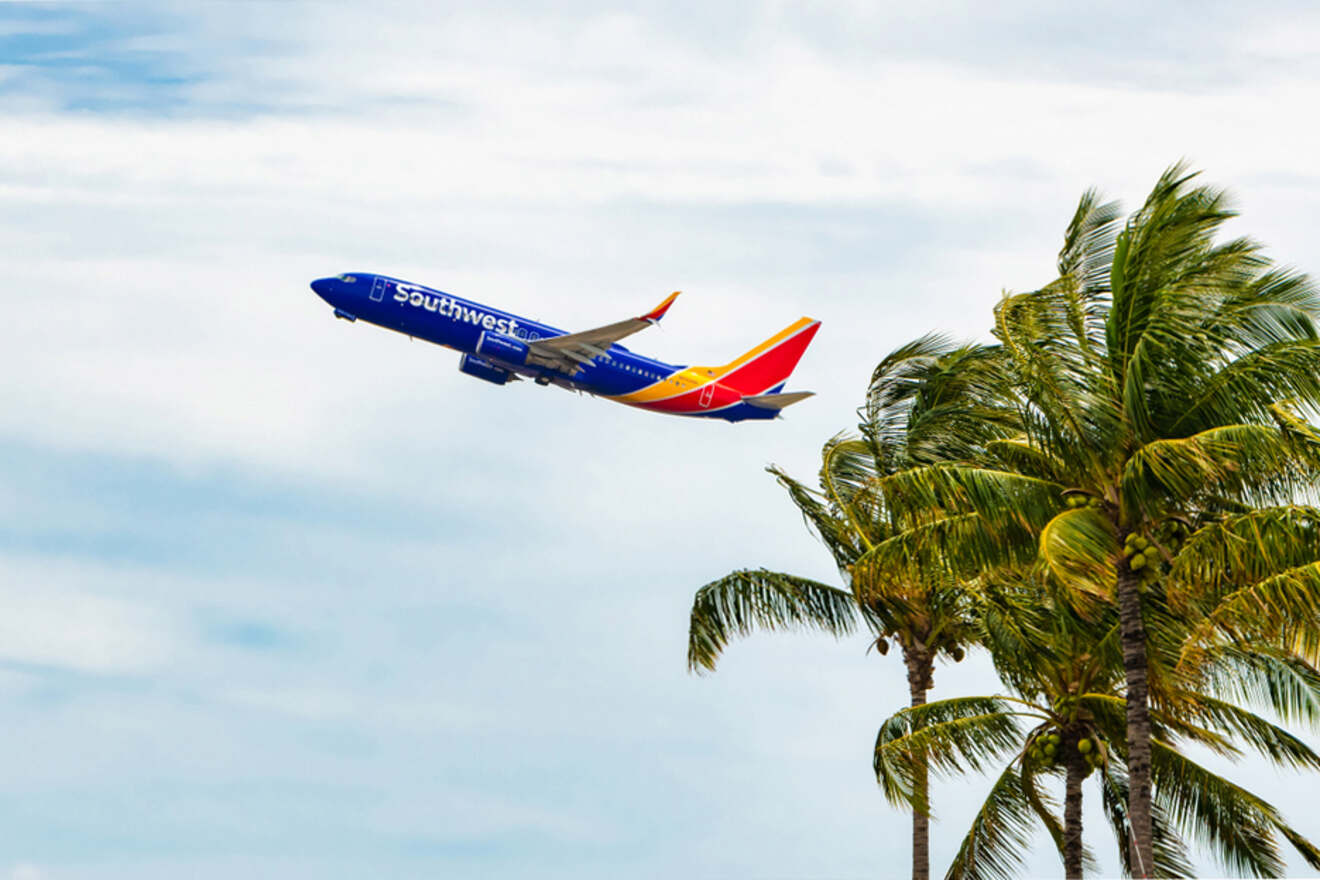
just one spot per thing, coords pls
(771, 362)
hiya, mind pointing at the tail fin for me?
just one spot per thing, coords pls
(765, 368)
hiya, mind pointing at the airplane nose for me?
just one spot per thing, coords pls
(323, 286)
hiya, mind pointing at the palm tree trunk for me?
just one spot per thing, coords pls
(919, 662)
(1133, 632)
(1072, 811)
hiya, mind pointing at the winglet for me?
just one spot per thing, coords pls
(658, 312)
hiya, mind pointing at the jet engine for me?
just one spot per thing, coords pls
(483, 369)
(501, 347)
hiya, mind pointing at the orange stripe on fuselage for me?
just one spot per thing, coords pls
(690, 401)
(686, 381)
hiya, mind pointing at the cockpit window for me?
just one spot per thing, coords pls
(347, 279)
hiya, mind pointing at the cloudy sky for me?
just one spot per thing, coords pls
(287, 597)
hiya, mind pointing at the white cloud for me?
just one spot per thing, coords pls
(78, 631)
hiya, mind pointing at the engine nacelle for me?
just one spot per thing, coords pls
(501, 347)
(483, 369)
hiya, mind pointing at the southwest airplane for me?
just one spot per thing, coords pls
(500, 347)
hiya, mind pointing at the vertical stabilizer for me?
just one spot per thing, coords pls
(768, 365)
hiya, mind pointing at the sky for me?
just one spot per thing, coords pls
(283, 596)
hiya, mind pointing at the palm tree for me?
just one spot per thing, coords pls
(1163, 381)
(1066, 673)
(928, 401)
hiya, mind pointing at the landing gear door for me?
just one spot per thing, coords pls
(378, 290)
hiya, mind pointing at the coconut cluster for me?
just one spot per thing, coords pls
(1143, 557)
(1049, 750)
(1134, 548)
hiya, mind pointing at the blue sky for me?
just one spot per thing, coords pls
(285, 597)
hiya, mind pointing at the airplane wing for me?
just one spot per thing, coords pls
(574, 350)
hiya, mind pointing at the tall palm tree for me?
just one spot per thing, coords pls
(928, 401)
(1164, 379)
(1066, 674)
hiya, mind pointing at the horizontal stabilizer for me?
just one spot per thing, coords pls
(777, 401)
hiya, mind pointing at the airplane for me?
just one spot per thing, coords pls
(500, 347)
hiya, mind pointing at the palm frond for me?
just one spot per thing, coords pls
(1269, 678)
(1235, 825)
(947, 736)
(1088, 248)
(1079, 547)
(1168, 276)
(1246, 387)
(1260, 462)
(1271, 741)
(958, 546)
(1277, 306)
(1051, 369)
(834, 530)
(1020, 455)
(1108, 712)
(959, 519)
(1172, 858)
(745, 601)
(965, 402)
(1041, 803)
(1304, 847)
(895, 385)
(1235, 551)
(1284, 603)
(1000, 834)
(848, 481)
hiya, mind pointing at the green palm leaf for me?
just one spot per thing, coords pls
(1108, 712)
(1041, 804)
(1171, 856)
(1287, 602)
(835, 530)
(1253, 382)
(1268, 678)
(1237, 825)
(1259, 461)
(1079, 548)
(1000, 834)
(1239, 550)
(747, 600)
(1271, 741)
(949, 736)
